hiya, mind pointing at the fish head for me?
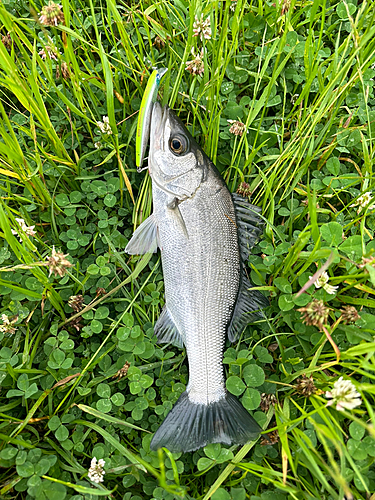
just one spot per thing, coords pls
(177, 164)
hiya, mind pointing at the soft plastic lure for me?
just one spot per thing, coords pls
(144, 117)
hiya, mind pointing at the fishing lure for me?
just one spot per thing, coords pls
(144, 117)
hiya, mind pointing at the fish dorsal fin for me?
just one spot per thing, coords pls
(144, 238)
(248, 308)
(166, 330)
(249, 224)
(249, 303)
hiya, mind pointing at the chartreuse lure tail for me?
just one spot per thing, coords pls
(144, 117)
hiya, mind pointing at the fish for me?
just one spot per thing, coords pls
(205, 235)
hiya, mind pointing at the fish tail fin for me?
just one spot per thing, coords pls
(190, 426)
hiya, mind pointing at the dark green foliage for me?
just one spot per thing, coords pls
(91, 381)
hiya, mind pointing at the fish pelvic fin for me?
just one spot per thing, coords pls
(144, 239)
(190, 426)
(248, 308)
(166, 330)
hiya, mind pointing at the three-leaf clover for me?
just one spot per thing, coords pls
(24, 388)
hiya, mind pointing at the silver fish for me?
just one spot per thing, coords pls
(204, 234)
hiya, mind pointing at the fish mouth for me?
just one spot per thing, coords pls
(159, 138)
(162, 165)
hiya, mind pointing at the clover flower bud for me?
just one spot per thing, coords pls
(51, 14)
(315, 313)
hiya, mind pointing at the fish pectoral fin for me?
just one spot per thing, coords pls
(166, 330)
(249, 224)
(248, 307)
(173, 205)
(144, 239)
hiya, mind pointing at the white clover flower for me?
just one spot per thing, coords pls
(7, 326)
(5, 319)
(330, 289)
(97, 145)
(294, 98)
(344, 395)
(58, 263)
(322, 282)
(104, 126)
(48, 51)
(96, 470)
(29, 230)
(237, 128)
(196, 65)
(202, 28)
(6, 323)
(233, 5)
(364, 202)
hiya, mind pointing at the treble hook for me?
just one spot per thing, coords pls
(140, 169)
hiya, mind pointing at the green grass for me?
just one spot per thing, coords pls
(299, 75)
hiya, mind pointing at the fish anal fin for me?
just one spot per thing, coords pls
(144, 239)
(249, 224)
(248, 308)
(166, 330)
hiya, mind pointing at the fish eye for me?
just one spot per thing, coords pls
(178, 144)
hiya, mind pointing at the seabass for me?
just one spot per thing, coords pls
(204, 234)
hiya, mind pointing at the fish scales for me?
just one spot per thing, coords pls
(201, 277)
(203, 232)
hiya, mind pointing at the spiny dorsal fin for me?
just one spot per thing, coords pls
(249, 224)
(249, 302)
(166, 330)
(144, 238)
